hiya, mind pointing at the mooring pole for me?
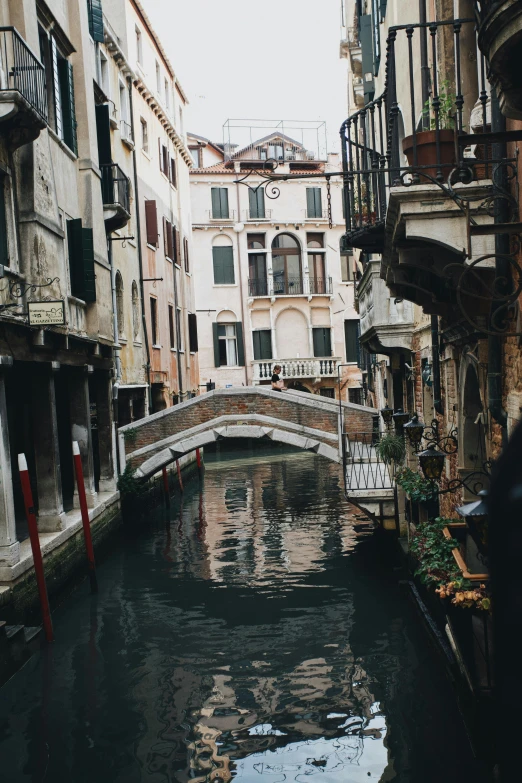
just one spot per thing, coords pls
(85, 516)
(198, 460)
(179, 475)
(166, 485)
(35, 546)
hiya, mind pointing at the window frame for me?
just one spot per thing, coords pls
(145, 147)
(228, 339)
(222, 208)
(316, 212)
(230, 261)
(172, 334)
(154, 323)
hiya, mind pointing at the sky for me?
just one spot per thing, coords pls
(264, 59)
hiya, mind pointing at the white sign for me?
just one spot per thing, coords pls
(46, 313)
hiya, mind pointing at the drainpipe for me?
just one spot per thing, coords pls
(140, 258)
(241, 282)
(178, 335)
(435, 361)
(117, 348)
(502, 268)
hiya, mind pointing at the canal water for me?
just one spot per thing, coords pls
(259, 633)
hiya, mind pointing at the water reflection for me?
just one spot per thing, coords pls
(253, 635)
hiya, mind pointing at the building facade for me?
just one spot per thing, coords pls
(273, 283)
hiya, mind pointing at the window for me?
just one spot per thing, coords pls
(219, 203)
(4, 247)
(276, 151)
(256, 200)
(173, 177)
(256, 241)
(151, 223)
(168, 244)
(327, 391)
(196, 156)
(154, 321)
(103, 72)
(163, 158)
(351, 336)
(176, 245)
(257, 279)
(223, 261)
(135, 310)
(171, 327)
(322, 341)
(186, 254)
(286, 265)
(262, 339)
(355, 395)
(227, 344)
(81, 260)
(95, 15)
(193, 332)
(167, 97)
(144, 135)
(313, 203)
(125, 126)
(139, 45)
(346, 261)
(316, 263)
(119, 305)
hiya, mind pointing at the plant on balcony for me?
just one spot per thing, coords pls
(416, 486)
(446, 107)
(426, 140)
(391, 449)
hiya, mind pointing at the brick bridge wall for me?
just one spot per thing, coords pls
(309, 416)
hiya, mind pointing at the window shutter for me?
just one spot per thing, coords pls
(262, 344)
(318, 342)
(160, 155)
(216, 344)
(383, 4)
(81, 260)
(366, 37)
(178, 247)
(65, 72)
(216, 203)
(165, 156)
(351, 334)
(170, 244)
(256, 339)
(186, 254)
(103, 134)
(151, 222)
(193, 332)
(224, 202)
(4, 249)
(89, 276)
(240, 346)
(56, 89)
(310, 202)
(94, 10)
(317, 202)
(173, 173)
(223, 260)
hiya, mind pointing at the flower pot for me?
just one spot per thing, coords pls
(427, 151)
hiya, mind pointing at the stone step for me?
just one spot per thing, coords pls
(17, 644)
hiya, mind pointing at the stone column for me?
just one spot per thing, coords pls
(9, 546)
(51, 516)
(106, 435)
(81, 429)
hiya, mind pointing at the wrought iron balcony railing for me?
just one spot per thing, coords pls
(257, 214)
(228, 218)
(21, 71)
(424, 143)
(291, 286)
(115, 186)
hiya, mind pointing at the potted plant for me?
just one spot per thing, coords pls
(391, 449)
(426, 140)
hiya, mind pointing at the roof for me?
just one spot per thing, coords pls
(214, 144)
(228, 168)
(274, 135)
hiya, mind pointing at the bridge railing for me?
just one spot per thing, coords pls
(364, 467)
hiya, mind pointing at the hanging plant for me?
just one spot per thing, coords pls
(391, 448)
(416, 486)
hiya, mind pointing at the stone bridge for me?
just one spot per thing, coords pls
(307, 421)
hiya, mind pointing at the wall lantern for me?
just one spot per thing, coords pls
(400, 418)
(387, 414)
(414, 430)
(426, 375)
(432, 463)
(476, 516)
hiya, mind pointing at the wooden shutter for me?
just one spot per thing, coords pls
(65, 72)
(178, 247)
(223, 198)
(216, 202)
(383, 4)
(252, 202)
(151, 223)
(94, 8)
(165, 161)
(103, 134)
(81, 260)
(351, 336)
(216, 344)
(4, 248)
(56, 89)
(193, 332)
(186, 254)
(256, 202)
(169, 245)
(173, 173)
(319, 346)
(240, 345)
(89, 276)
(366, 37)
(311, 202)
(317, 202)
(262, 344)
(223, 260)
(160, 155)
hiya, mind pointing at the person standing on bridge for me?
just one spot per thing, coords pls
(277, 383)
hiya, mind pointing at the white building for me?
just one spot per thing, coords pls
(272, 285)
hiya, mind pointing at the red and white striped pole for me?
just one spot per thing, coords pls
(35, 546)
(179, 475)
(85, 516)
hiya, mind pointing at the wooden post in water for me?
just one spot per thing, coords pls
(85, 516)
(166, 485)
(179, 475)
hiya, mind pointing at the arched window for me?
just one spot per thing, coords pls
(119, 304)
(286, 265)
(135, 310)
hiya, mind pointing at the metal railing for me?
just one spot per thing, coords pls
(316, 367)
(126, 131)
(291, 286)
(20, 70)
(321, 214)
(364, 467)
(224, 219)
(115, 186)
(382, 149)
(254, 215)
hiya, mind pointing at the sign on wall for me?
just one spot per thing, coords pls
(46, 313)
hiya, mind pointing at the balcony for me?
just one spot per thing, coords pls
(116, 196)
(228, 219)
(320, 216)
(126, 133)
(386, 322)
(23, 95)
(255, 216)
(291, 286)
(297, 368)
(500, 41)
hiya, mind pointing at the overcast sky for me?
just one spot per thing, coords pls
(263, 59)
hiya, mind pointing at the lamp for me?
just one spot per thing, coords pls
(400, 418)
(475, 515)
(387, 414)
(426, 374)
(414, 430)
(432, 463)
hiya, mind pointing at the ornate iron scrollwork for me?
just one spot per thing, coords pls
(19, 289)
(448, 444)
(271, 190)
(474, 482)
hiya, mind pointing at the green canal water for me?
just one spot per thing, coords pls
(259, 633)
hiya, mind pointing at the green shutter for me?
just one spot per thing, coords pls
(81, 260)
(103, 134)
(256, 199)
(240, 346)
(262, 344)
(4, 248)
(223, 261)
(216, 344)
(313, 202)
(366, 37)
(351, 334)
(95, 13)
(322, 342)
(223, 197)
(383, 8)
(216, 205)
(65, 71)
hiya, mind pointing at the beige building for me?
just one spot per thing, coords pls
(273, 283)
